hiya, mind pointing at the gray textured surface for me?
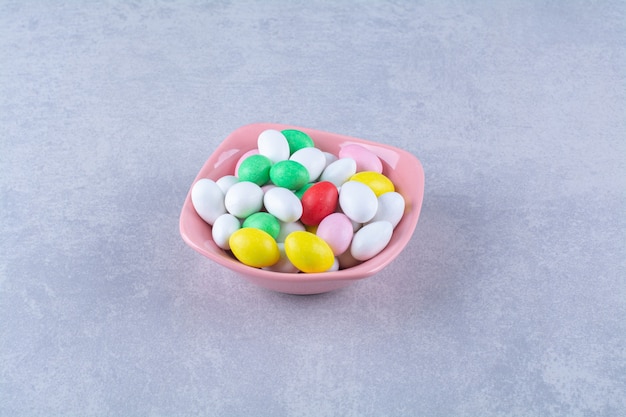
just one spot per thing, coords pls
(509, 301)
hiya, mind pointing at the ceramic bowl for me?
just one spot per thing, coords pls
(404, 170)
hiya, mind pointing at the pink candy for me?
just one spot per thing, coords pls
(366, 160)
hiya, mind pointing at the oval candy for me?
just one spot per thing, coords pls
(273, 144)
(289, 174)
(254, 247)
(366, 160)
(370, 240)
(207, 199)
(283, 204)
(318, 201)
(308, 252)
(255, 168)
(336, 230)
(297, 140)
(339, 171)
(358, 201)
(243, 199)
(243, 157)
(223, 227)
(263, 221)
(390, 208)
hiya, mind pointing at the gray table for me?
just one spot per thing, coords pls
(510, 300)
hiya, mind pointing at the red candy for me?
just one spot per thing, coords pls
(318, 201)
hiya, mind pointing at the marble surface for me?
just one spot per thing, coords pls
(510, 300)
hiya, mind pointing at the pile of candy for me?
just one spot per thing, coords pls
(291, 207)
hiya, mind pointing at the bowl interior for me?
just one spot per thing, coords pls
(401, 167)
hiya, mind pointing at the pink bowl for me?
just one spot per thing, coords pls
(402, 168)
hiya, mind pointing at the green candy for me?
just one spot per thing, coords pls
(297, 140)
(302, 190)
(256, 169)
(263, 221)
(289, 174)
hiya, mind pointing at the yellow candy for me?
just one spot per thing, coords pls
(254, 247)
(377, 182)
(308, 252)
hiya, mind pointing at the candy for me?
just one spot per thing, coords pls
(256, 169)
(254, 247)
(283, 204)
(297, 140)
(339, 171)
(308, 252)
(336, 230)
(366, 160)
(358, 201)
(263, 221)
(390, 208)
(243, 199)
(289, 174)
(244, 157)
(207, 199)
(224, 226)
(273, 144)
(318, 201)
(376, 181)
(370, 240)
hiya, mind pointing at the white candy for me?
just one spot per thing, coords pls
(224, 226)
(226, 182)
(313, 160)
(283, 204)
(390, 208)
(358, 201)
(370, 240)
(273, 144)
(243, 199)
(208, 200)
(339, 171)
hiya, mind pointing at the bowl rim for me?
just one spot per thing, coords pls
(360, 271)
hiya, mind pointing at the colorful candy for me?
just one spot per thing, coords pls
(254, 247)
(289, 174)
(256, 169)
(318, 201)
(291, 207)
(308, 252)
